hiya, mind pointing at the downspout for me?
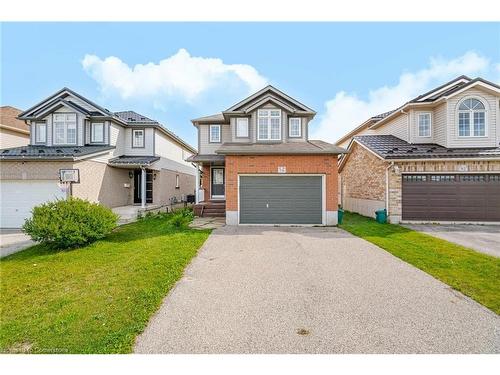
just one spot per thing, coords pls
(387, 187)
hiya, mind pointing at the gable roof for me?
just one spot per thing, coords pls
(61, 94)
(439, 93)
(132, 117)
(9, 120)
(270, 91)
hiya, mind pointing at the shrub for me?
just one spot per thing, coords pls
(69, 223)
(182, 217)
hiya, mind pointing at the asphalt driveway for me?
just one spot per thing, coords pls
(482, 238)
(312, 290)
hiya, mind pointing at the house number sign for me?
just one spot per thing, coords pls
(281, 169)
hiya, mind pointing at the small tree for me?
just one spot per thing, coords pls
(69, 223)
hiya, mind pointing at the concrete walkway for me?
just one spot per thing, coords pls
(12, 241)
(207, 222)
(312, 290)
(482, 238)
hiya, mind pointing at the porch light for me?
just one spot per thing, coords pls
(130, 174)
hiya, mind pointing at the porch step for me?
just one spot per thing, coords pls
(214, 214)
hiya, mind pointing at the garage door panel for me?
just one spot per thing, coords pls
(451, 197)
(18, 197)
(280, 199)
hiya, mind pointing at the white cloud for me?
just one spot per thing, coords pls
(346, 111)
(179, 76)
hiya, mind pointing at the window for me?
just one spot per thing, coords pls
(242, 127)
(177, 181)
(40, 132)
(97, 132)
(424, 124)
(443, 178)
(415, 178)
(65, 128)
(214, 133)
(473, 178)
(269, 125)
(138, 138)
(471, 118)
(294, 127)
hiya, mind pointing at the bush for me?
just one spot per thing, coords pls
(182, 217)
(69, 223)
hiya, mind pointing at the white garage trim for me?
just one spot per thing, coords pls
(230, 216)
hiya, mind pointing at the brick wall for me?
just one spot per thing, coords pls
(363, 175)
(313, 164)
(205, 181)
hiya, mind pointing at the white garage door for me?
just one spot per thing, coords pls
(18, 197)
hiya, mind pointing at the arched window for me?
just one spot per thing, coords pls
(471, 118)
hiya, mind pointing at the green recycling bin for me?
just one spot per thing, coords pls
(381, 216)
(340, 215)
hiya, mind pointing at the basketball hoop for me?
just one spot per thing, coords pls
(64, 186)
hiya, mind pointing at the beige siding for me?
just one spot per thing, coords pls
(10, 138)
(398, 127)
(491, 103)
(117, 138)
(164, 186)
(148, 148)
(172, 155)
(205, 147)
(414, 138)
(439, 124)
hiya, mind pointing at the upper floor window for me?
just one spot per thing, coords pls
(40, 132)
(214, 135)
(138, 138)
(269, 125)
(242, 127)
(97, 132)
(424, 124)
(471, 118)
(65, 128)
(294, 127)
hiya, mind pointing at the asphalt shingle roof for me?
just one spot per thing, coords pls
(205, 157)
(132, 117)
(391, 147)
(287, 148)
(50, 152)
(133, 160)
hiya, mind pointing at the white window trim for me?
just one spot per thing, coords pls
(92, 140)
(238, 135)
(418, 124)
(269, 124)
(143, 138)
(37, 124)
(177, 186)
(54, 138)
(471, 119)
(290, 127)
(210, 133)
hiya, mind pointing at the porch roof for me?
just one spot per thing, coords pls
(125, 160)
(205, 158)
(286, 148)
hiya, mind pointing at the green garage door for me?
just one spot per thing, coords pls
(281, 199)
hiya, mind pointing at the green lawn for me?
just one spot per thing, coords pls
(94, 299)
(474, 274)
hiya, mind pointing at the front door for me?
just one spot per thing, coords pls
(138, 186)
(218, 190)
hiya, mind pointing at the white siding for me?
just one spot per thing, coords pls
(117, 138)
(80, 102)
(439, 124)
(205, 147)
(414, 138)
(148, 148)
(167, 148)
(491, 103)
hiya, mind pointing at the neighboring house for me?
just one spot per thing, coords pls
(13, 132)
(123, 158)
(434, 159)
(257, 159)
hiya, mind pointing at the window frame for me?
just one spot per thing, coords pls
(143, 137)
(290, 127)
(92, 140)
(65, 128)
(419, 114)
(177, 182)
(37, 132)
(268, 117)
(471, 113)
(219, 126)
(238, 135)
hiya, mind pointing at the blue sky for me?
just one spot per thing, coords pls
(345, 71)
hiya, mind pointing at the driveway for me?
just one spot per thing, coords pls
(12, 241)
(482, 238)
(312, 290)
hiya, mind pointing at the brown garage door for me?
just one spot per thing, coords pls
(451, 197)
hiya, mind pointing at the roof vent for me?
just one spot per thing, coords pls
(59, 151)
(7, 151)
(395, 149)
(449, 150)
(390, 152)
(430, 150)
(76, 151)
(409, 152)
(414, 148)
(143, 118)
(22, 151)
(41, 152)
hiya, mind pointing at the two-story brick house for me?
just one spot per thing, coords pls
(122, 158)
(434, 159)
(259, 163)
